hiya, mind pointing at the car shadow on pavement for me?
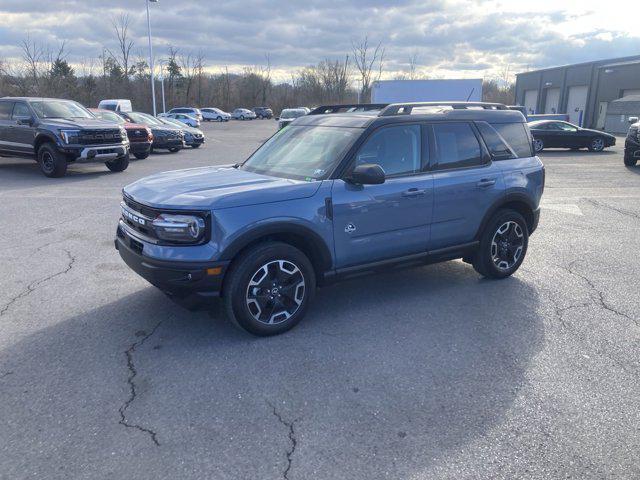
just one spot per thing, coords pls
(564, 152)
(387, 374)
(28, 169)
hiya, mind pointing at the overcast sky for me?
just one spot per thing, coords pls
(450, 38)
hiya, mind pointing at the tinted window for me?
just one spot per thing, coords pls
(498, 147)
(456, 145)
(5, 110)
(20, 110)
(396, 149)
(516, 136)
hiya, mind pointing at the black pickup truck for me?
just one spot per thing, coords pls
(57, 132)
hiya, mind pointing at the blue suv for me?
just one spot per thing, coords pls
(344, 190)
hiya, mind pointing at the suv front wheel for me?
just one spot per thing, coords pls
(503, 245)
(268, 288)
(52, 162)
(119, 164)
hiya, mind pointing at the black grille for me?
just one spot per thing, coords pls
(137, 135)
(100, 137)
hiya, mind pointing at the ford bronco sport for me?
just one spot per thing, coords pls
(334, 195)
(57, 132)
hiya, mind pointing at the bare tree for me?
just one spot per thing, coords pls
(365, 58)
(32, 56)
(125, 44)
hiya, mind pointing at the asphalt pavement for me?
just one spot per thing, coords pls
(430, 372)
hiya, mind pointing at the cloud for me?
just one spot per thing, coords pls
(458, 37)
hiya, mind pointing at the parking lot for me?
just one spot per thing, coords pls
(429, 372)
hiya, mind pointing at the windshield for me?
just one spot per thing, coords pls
(60, 109)
(292, 113)
(302, 153)
(143, 118)
(109, 116)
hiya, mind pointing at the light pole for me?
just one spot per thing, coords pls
(153, 87)
(164, 107)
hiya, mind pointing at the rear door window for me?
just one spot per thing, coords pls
(5, 110)
(517, 137)
(20, 110)
(456, 146)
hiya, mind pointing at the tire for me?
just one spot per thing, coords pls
(219, 119)
(174, 149)
(119, 164)
(141, 156)
(538, 145)
(241, 117)
(495, 259)
(196, 145)
(630, 161)
(288, 296)
(52, 163)
(596, 144)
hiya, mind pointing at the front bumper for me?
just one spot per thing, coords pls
(194, 141)
(160, 142)
(180, 279)
(140, 147)
(96, 153)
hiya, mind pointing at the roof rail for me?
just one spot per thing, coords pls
(406, 108)
(347, 107)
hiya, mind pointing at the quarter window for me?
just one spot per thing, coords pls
(517, 137)
(456, 146)
(396, 149)
(5, 110)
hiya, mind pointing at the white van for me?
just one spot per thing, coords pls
(116, 105)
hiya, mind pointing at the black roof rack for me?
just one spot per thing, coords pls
(406, 108)
(347, 107)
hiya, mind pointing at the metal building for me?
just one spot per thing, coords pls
(583, 91)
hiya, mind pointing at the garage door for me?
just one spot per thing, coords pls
(531, 101)
(577, 103)
(553, 100)
(635, 91)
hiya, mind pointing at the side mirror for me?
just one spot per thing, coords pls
(24, 121)
(367, 174)
(633, 119)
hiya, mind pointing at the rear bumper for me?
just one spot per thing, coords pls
(536, 220)
(180, 279)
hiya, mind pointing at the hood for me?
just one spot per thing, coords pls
(134, 126)
(79, 123)
(599, 132)
(164, 128)
(215, 188)
(192, 130)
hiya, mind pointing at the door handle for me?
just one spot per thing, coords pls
(413, 192)
(486, 182)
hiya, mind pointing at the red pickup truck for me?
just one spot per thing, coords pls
(140, 136)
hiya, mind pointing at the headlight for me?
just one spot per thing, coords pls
(70, 136)
(179, 228)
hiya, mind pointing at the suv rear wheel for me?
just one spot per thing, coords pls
(503, 245)
(630, 161)
(52, 162)
(119, 164)
(268, 288)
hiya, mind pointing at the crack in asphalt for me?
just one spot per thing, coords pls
(6, 374)
(621, 211)
(599, 294)
(132, 387)
(34, 285)
(292, 439)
